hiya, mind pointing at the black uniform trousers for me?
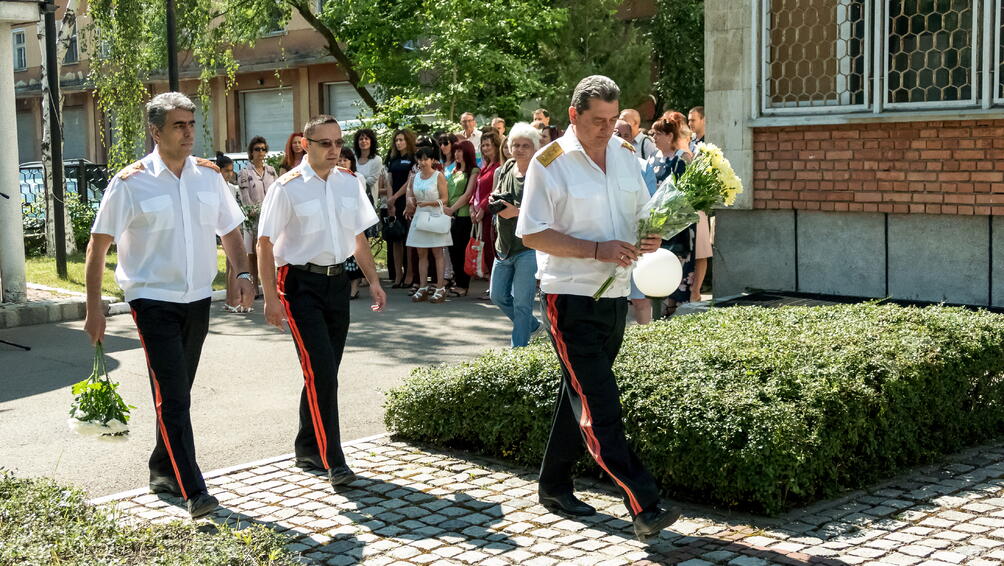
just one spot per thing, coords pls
(587, 336)
(172, 335)
(317, 309)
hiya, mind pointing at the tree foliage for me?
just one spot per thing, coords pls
(676, 34)
(595, 42)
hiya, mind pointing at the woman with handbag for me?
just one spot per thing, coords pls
(461, 183)
(430, 225)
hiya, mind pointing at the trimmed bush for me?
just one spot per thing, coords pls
(43, 523)
(760, 409)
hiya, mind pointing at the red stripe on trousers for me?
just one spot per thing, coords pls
(157, 402)
(585, 421)
(308, 370)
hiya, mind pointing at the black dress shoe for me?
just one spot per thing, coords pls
(309, 465)
(340, 475)
(166, 486)
(649, 523)
(202, 504)
(565, 503)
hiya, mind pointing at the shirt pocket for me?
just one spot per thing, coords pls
(157, 212)
(309, 215)
(587, 199)
(209, 208)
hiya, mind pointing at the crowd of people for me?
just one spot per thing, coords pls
(474, 177)
(565, 213)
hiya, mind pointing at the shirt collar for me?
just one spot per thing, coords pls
(307, 171)
(156, 165)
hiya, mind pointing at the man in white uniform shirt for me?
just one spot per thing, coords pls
(581, 199)
(164, 213)
(313, 218)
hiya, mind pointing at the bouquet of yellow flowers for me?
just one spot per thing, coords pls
(708, 181)
(98, 409)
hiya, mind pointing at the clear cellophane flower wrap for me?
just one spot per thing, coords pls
(708, 181)
(97, 409)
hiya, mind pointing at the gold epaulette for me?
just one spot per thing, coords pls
(344, 170)
(207, 163)
(550, 153)
(130, 170)
(289, 176)
(629, 146)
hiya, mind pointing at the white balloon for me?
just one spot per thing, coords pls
(658, 274)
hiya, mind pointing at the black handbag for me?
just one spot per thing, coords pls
(394, 230)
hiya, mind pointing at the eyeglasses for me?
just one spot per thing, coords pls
(260, 148)
(327, 144)
(444, 143)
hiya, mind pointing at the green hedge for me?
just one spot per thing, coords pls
(43, 523)
(760, 409)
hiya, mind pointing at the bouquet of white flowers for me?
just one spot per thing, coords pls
(251, 214)
(708, 181)
(98, 409)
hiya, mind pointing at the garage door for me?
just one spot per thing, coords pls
(344, 103)
(267, 113)
(74, 132)
(27, 138)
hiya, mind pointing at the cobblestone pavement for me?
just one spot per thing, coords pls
(412, 505)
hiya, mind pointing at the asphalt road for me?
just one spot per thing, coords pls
(246, 392)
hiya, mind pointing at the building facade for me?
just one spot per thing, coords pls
(285, 78)
(870, 137)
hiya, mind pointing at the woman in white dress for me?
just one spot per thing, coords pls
(428, 193)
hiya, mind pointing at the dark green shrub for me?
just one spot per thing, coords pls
(747, 407)
(43, 523)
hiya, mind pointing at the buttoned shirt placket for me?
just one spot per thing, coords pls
(607, 177)
(329, 199)
(186, 217)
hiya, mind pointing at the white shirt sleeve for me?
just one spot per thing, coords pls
(536, 211)
(230, 215)
(373, 168)
(115, 211)
(276, 212)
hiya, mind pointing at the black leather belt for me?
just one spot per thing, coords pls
(329, 270)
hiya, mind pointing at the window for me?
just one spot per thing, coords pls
(879, 55)
(20, 50)
(344, 103)
(72, 50)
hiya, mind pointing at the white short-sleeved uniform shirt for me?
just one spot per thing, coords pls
(567, 192)
(310, 220)
(165, 228)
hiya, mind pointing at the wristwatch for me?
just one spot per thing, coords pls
(244, 275)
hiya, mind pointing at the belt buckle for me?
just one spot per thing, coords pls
(329, 270)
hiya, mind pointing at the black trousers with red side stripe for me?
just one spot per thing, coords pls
(587, 336)
(172, 335)
(317, 308)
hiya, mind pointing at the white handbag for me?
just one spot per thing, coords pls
(433, 221)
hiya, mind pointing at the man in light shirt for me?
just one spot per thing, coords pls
(471, 133)
(313, 218)
(640, 140)
(582, 196)
(543, 116)
(695, 119)
(164, 213)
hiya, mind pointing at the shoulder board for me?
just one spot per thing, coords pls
(550, 153)
(344, 170)
(130, 170)
(207, 163)
(629, 146)
(289, 176)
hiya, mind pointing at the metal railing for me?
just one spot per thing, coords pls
(85, 181)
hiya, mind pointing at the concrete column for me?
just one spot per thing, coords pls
(728, 85)
(11, 232)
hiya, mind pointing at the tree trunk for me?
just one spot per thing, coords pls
(66, 24)
(336, 51)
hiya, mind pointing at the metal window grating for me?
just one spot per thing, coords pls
(815, 53)
(930, 51)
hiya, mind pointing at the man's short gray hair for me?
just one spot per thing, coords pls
(594, 86)
(157, 109)
(524, 131)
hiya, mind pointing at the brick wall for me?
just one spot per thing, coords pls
(950, 167)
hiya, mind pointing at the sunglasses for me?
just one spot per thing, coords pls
(259, 148)
(444, 143)
(327, 144)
